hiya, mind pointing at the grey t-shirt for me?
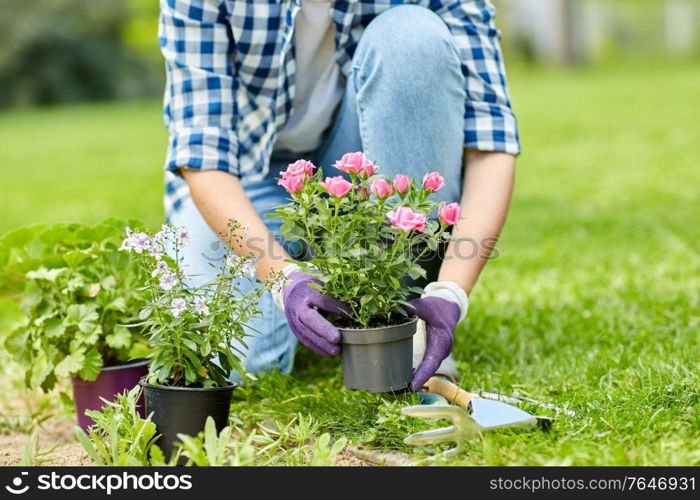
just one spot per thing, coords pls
(317, 79)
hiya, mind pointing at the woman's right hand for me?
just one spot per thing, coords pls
(301, 304)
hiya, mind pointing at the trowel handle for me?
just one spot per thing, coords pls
(449, 391)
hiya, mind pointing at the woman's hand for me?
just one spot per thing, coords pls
(301, 304)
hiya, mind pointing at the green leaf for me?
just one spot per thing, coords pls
(118, 304)
(75, 257)
(30, 300)
(71, 364)
(54, 327)
(144, 313)
(84, 440)
(41, 368)
(49, 382)
(211, 441)
(83, 316)
(120, 338)
(46, 274)
(190, 344)
(66, 400)
(92, 365)
(89, 338)
(157, 457)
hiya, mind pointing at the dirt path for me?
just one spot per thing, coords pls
(53, 432)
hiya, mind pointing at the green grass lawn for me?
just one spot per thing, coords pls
(593, 303)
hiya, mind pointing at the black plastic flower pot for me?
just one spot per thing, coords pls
(184, 410)
(111, 381)
(378, 359)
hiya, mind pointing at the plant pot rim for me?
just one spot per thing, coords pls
(157, 387)
(134, 363)
(414, 319)
(383, 335)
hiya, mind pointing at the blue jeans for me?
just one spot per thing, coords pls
(403, 106)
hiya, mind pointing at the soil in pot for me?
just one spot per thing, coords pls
(184, 410)
(111, 380)
(378, 359)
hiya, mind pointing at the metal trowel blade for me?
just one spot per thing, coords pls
(494, 414)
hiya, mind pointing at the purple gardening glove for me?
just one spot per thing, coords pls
(301, 307)
(442, 306)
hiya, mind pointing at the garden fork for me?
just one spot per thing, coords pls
(485, 415)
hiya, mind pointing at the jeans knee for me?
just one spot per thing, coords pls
(409, 37)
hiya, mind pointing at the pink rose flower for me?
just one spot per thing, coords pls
(356, 163)
(292, 183)
(449, 214)
(405, 219)
(368, 170)
(381, 188)
(401, 183)
(336, 186)
(432, 181)
(300, 168)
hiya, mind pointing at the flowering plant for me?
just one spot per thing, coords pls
(196, 332)
(365, 234)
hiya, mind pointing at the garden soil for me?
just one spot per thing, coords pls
(56, 433)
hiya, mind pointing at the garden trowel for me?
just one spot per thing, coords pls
(471, 416)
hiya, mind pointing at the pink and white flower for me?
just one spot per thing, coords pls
(449, 214)
(300, 168)
(249, 267)
(432, 181)
(232, 260)
(293, 183)
(167, 281)
(356, 163)
(381, 188)
(184, 274)
(136, 242)
(201, 307)
(402, 183)
(407, 220)
(163, 234)
(161, 267)
(368, 170)
(293, 178)
(183, 235)
(336, 186)
(178, 306)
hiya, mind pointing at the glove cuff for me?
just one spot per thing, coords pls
(277, 293)
(449, 290)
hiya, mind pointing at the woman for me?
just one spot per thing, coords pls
(256, 84)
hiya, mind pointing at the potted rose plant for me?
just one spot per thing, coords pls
(196, 333)
(76, 291)
(365, 235)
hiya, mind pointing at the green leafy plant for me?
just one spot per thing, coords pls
(209, 447)
(119, 436)
(365, 234)
(196, 331)
(33, 455)
(76, 293)
(292, 444)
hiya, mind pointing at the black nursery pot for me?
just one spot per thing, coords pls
(378, 359)
(184, 410)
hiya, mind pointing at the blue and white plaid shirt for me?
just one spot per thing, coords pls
(230, 78)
